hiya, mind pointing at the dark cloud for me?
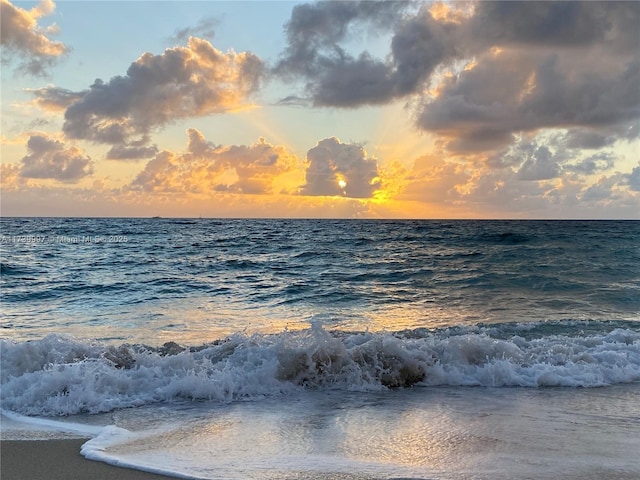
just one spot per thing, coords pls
(515, 91)
(633, 179)
(589, 138)
(574, 93)
(603, 190)
(316, 34)
(350, 82)
(564, 24)
(540, 165)
(207, 168)
(534, 66)
(340, 169)
(550, 159)
(417, 49)
(419, 45)
(315, 30)
(293, 101)
(335, 78)
(542, 65)
(125, 152)
(206, 28)
(593, 164)
(50, 158)
(183, 82)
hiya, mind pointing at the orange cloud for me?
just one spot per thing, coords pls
(210, 169)
(183, 82)
(336, 168)
(10, 177)
(21, 36)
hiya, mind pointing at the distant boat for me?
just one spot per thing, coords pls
(156, 217)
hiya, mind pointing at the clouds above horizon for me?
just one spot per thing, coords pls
(49, 158)
(530, 65)
(183, 82)
(538, 187)
(336, 168)
(21, 37)
(510, 92)
(208, 168)
(505, 106)
(332, 168)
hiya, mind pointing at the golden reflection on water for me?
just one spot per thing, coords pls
(413, 439)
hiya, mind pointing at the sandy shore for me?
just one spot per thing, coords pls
(58, 460)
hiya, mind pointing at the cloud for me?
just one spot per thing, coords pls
(515, 91)
(207, 168)
(334, 77)
(52, 159)
(125, 152)
(477, 189)
(545, 157)
(183, 82)
(593, 164)
(633, 179)
(317, 33)
(573, 24)
(317, 28)
(589, 139)
(542, 65)
(204, 29)
(341, 169)
(54, 98)
(530, 66)
(603, 190)
(21, 36)
(293, 101)
(540, 165)
(10, 179)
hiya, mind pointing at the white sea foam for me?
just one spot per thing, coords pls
(408, 433)
(59, 375)
(46, 424)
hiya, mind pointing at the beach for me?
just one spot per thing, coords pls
(58, 460)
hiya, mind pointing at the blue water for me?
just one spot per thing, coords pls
(166, 279)
(178, 320)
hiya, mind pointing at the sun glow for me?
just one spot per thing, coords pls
(342, 183)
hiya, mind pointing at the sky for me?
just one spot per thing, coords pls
(373, 109)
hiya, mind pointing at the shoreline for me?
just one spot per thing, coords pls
(59, 460)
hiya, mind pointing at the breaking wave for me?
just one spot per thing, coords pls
(60, 375)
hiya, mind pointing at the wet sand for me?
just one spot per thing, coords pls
(58, 460)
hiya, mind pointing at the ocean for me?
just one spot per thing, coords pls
(328, 349)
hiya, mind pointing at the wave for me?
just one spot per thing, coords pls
(15, 270)
(60, 375)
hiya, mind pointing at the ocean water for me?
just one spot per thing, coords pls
(333, 349)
